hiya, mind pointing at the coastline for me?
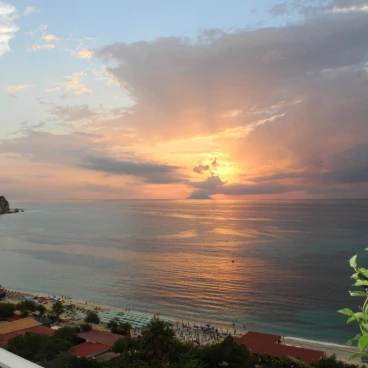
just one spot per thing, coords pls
(342, 352)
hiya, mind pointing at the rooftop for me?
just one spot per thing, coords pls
(42, 330)
(21, 324)
(89, 349)
(101, 337)
(259, 343)
(262, 337)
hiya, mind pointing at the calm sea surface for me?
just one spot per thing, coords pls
(290, 272)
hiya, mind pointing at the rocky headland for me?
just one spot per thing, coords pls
(4, 205)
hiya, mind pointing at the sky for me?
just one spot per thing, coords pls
(226, 99)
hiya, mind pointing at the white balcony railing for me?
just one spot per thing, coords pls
(10, 360)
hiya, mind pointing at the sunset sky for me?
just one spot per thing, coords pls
(174, 99)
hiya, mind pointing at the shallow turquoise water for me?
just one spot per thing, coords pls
(290, 272)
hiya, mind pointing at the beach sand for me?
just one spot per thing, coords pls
(188, 333)
(342, 352)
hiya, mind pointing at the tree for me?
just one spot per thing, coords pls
(92, 317)
(158, 340)
(58, 309)
(85, 327)
(125, 345)
(41, 309)
(119, 328)
(189, 361)
(67, 333)
(229, 352)
(70, 361)
(360, 276)
(26, 305)
(37, 347)
(6, 310)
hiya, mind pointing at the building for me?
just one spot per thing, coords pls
(41, 330)
(259, 343)
(89, 349)
(18, 325)
(100, 337)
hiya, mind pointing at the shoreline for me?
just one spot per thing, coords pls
(342, 352)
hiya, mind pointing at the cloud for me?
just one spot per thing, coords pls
(50, 37)
(30, 10)
(151, 172)
(73, 83)
(8, 28)
(51, 90)
(311, 8)
(85, 54)
(13, 89)
(37, 47)
(283, 108)
(43, 36)
(208, 168)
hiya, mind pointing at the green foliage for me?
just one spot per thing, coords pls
(67, 333)
(70, 361)
(85, 327)
(6, 310)
(158, 340)
(127, 361)
(119, 328)
(330, 362)
(126, 345)
(26, 305)
(58, 309)
(37, 347)
(360, 276)
(189, 361)
(92, 317)
(41, 309)
(229, 352)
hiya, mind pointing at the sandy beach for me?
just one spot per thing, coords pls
(342, 352)
(186, 330)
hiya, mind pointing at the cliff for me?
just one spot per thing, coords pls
(4, 205)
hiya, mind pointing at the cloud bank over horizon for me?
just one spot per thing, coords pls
(269, 112)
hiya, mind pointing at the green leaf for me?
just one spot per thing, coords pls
(361, 283)
(358, 293)
(352, 261)
(363, 342)
(354, 276)
(355, 355)
(364, 326)
(362, 272)
(350, 319)
(346, 311)
(359, 315)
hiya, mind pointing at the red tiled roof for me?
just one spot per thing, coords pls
(42, 330)
(101, 337)
(89, 349)
(281, 351)
(262, 337)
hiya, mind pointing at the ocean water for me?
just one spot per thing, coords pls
(289, 276)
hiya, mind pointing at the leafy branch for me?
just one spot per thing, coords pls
(360, 276)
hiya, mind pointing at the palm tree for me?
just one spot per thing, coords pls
(158, 339)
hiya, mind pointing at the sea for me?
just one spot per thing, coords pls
(270, 266)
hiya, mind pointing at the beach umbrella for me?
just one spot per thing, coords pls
(196, 341)
(208, 325)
